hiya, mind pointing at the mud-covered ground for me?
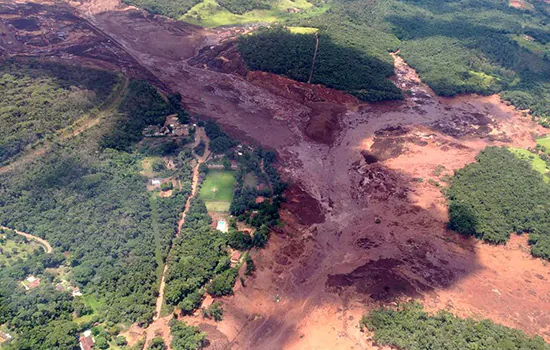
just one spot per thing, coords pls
(364, 223)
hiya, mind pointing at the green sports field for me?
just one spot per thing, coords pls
(217, 190)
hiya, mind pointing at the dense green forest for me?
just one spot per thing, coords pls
(457, 46)
(39, 99)
(142, 105)
(169, 8)
(243, 6)
(498, 195)
(91, 203)
(410, 327)
(177, 8)
(198, 254)
(278, 51)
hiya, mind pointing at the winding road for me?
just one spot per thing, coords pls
(43, 243)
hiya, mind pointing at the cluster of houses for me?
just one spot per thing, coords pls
(171, 127)
(65, 286)
(32, 282)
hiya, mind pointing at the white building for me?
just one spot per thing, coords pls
(222, 226)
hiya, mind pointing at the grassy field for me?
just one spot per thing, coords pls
(209, 13)
(545, 141)
(251, 180)
(537, 163)
(303, 30)
(147, 166)
(11, 250)
(95, 304)
(217, 190)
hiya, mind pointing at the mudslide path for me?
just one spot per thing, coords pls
(43, 243)
(160, 324)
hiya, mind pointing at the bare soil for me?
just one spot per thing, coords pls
(365, 220)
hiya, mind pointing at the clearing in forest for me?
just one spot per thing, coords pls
(209, 13)
(217, 190)
(536, 161)
(12, 249)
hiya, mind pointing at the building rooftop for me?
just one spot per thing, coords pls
(222, 226)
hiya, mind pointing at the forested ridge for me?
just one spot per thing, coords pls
(40, 98)
(499, 195)
(279, 51)
(86, 196)
(457, 47)
(409, 327)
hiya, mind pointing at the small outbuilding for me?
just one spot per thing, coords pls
(222, 226)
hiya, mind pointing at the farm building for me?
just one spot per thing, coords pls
(31, 282)
(5, 337)
(222, 226)
(86, 340)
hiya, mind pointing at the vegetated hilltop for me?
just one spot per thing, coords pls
(319, 60)
(39, 99)
(457, 47)
(498, 195)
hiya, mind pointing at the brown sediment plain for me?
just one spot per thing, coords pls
(364, 224)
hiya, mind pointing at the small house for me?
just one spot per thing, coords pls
(87, 340)
(222, 226)
(235, 257)
(31, 282)
(5, 337)
(155, 182)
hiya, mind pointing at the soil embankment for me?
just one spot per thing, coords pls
(365, 220)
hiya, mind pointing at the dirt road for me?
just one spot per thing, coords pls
(43, 243)
(314, 58)
(161, 324)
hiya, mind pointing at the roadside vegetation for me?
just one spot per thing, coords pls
(14, 247)
(409, 327)
(499, 195)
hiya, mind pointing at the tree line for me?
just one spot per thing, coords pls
(498, 195)
(409, 327)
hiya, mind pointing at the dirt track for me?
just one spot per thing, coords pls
(364, 223)
(43, 243)
(160, 324)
